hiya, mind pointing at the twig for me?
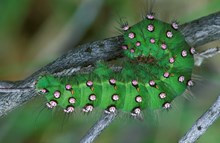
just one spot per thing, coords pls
(203, 123)
(197, 32)
(98, 127)
(199, 58)
(10, 90)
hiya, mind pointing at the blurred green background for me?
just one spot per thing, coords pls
(35, 32)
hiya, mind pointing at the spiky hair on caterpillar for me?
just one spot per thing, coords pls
(158, 67)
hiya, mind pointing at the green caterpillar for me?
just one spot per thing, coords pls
(158, 68)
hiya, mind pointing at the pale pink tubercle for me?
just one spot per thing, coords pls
(72, 100)
(151, 83)
(112, 109)
(181, 78)
(115, 97)
(169, 34)
(152, 40)
(53, 103)
(92, 97)
(43, 90)
(112, 81)
(68, 86)
(166, 74)
(184, 53)
(172, 60)
(150, 16)
(131, 35)
(175, 25)
(125, 27)
(192, 50)
(137, 110)
(88, 108)
(89, 83)
(150, 28)
(138, 99)
(56, 94)
(132, 50)
(134, 82)
(162, 95)
(190, 83)
(167, 105)
(138, 43)
(69, 109)
(124, 47)
(163, 46)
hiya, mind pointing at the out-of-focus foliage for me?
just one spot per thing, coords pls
(29, 28)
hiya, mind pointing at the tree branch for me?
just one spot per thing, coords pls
(203, 123)
(98, 127)
(197, 32)
(199, 58)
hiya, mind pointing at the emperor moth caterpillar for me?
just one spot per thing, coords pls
(158, 68)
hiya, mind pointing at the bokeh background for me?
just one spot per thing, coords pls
(36, 32)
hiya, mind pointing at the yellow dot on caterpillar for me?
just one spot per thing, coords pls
(115, 87)
(72, 91)
(138, 99)
(92, 88)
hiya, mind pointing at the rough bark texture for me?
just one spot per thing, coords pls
(203, 123)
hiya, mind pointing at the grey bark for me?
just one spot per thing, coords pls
(203, 123)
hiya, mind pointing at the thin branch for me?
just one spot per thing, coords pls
(197, 32)
(199, 57)
(98, 127)
(11, 90)
(203, 123)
